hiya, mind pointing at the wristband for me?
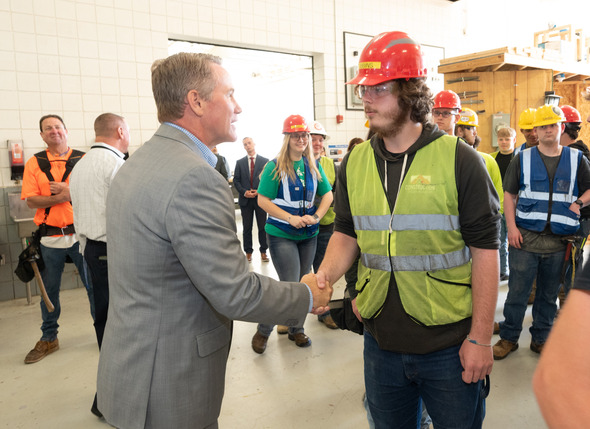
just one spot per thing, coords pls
(472, 341)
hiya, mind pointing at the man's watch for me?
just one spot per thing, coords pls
(316, 217)
(579, 202)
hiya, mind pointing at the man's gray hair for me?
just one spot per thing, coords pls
(175, 76)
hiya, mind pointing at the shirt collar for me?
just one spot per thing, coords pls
(205, 151)
(108, 146)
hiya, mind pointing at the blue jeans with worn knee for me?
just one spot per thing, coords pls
(55, 260)
(504, 269)
(395, 382)
(525, 267)
(292, 260)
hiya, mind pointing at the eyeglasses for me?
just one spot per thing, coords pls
(443, 113)
(299, 136)
(374, 91)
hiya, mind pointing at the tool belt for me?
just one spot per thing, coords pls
(46, 230)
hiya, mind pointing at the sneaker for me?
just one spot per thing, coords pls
(42, 349)
(503, 348)
(282, 329)
(537, 347)
(496, 328)
(328, 321)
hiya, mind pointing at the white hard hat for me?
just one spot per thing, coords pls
(317, 128)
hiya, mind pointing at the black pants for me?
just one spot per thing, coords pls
(248, 212)
(95, 254)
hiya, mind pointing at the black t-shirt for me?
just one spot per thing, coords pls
(503, 160)
(479, 218)
(545, 241)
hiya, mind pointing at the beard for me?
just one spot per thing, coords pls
(397, 116)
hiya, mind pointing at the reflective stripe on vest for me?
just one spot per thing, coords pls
(423, 245)
(532, 209)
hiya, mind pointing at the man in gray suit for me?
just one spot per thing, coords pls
(176, 271)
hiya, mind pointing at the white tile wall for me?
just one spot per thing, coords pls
(80, 57)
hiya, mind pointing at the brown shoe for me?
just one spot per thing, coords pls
(249, 257)
(42, 349)
(259, 343)
(329, 322)
(282, 329)
(264, 257)
(503, 348)
(496, 328)
(301, 340)
(537, 347)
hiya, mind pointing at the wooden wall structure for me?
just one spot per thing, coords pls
(510, 80)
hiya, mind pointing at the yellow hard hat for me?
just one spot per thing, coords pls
(547, 115)
(468, 118)
(527, 118)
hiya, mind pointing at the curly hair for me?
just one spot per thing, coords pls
(415, 96)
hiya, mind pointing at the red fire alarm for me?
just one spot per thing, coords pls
(339, 119)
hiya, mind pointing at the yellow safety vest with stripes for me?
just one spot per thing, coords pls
(330, 172)
(421, 243)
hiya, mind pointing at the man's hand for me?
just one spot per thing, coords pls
(321, 293)
(251, 193)
(61, 190)
(477, 362)
(514, 237)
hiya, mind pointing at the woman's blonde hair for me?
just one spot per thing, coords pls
(284, 165)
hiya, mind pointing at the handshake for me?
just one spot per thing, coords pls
(321, 289)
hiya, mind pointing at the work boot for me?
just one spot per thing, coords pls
(537, 347)
(259, 343)
(42, 349)
(496, 328)
(282, 329)
(301, 340)
(503, 348)
(329, 322)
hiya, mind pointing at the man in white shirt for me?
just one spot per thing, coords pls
(89, 186)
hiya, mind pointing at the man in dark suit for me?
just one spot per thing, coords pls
(177, 275)
(246, 180)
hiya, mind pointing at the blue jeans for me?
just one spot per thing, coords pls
(395, 382)
(525, 267)
(55, 260)
(292, 260)
(503, 247)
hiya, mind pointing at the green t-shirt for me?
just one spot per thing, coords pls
(269, 187)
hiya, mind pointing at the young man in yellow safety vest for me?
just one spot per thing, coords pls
(421, 207)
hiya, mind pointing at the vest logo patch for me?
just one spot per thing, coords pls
(420, 180)
(420, 183)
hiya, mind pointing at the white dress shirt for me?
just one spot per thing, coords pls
(89, 184)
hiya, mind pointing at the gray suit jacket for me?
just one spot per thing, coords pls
(177, 279)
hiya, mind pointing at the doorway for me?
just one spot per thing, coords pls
(269, 86)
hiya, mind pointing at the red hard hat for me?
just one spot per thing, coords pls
(388, 56)
(447, 100)
(571, 114)
(295, 124)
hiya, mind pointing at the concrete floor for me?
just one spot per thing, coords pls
(286, 387)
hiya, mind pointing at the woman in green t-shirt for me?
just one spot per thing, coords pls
(287, 190)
